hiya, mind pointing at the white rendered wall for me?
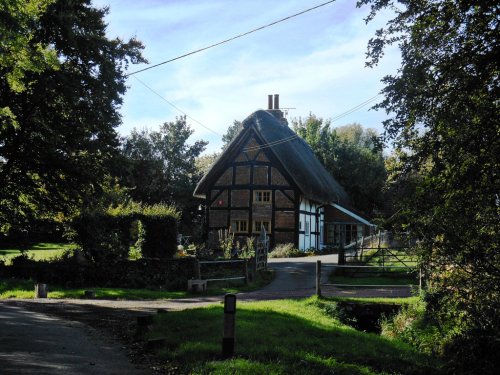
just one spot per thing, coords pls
(307, 219)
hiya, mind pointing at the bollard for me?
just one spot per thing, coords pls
(89, 294)
(40, 290)
(229, 325)
(198, 270)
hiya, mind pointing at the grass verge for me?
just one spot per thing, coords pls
(372, 280)
(281, 337)
(14, 288)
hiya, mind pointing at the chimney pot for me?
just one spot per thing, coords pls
(269, 102)
(276, 101)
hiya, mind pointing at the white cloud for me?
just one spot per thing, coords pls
(315, 62)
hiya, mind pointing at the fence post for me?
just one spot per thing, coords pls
(229, 323)
(245, 271)
(318, 278)
(198, 269)
(341, 254)
(362, 248)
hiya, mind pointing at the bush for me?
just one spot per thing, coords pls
(285, 250)
(414, 326)
(109, 235)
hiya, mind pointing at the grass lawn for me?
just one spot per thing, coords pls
(379, 276)
(281, 337)
(13, 288)
(372, 280)
(39, 251)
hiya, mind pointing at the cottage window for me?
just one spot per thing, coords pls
(239, 226)
(262, 196)
(258, 224)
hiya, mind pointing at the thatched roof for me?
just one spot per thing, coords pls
(294, 154)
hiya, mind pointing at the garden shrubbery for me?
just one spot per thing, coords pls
(285, 250)
(104, 239)
(108, 235)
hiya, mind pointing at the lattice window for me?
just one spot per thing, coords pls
(257, 224)
(262, 196)
(239, 226)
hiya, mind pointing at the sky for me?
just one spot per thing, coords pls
(315, 62)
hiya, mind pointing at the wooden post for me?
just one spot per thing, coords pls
(90, 294)
(198, 270)
(362, 248)
(318, 278)
(341, 254)
(245, 271)
(40, 290)
(229, 325)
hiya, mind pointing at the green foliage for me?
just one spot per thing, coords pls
(353, 156)
(445, 125)
(204, 162)
(285, 250)
(226, 242)
(160, 167)
(231, 133)
(413, 326)
(19, 54)
(248, 250)
(106, 236)
(62, 82)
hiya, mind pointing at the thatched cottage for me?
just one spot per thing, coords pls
(269, 177)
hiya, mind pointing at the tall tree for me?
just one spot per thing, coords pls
(444, 111)
(55, 154)
(353, 155)
(160, 166)
(232, 131)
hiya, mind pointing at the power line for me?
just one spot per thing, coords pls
(177, 108)
(231, 39)
(354, 109)
(265, 145)
(291, 138)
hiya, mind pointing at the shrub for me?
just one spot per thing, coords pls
(109, 235)
(413, 326)
(226, 242)
(285, 250)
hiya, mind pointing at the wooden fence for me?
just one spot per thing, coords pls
(244, 275)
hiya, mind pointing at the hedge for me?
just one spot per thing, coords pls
(106, 236)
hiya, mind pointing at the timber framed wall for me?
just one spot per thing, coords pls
(254, 189)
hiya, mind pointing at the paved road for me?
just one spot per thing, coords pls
(34, 343)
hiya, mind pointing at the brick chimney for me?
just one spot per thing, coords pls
(273, 107)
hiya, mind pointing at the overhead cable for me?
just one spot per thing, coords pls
(291, 138)
(177, 108)
(230, 39)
